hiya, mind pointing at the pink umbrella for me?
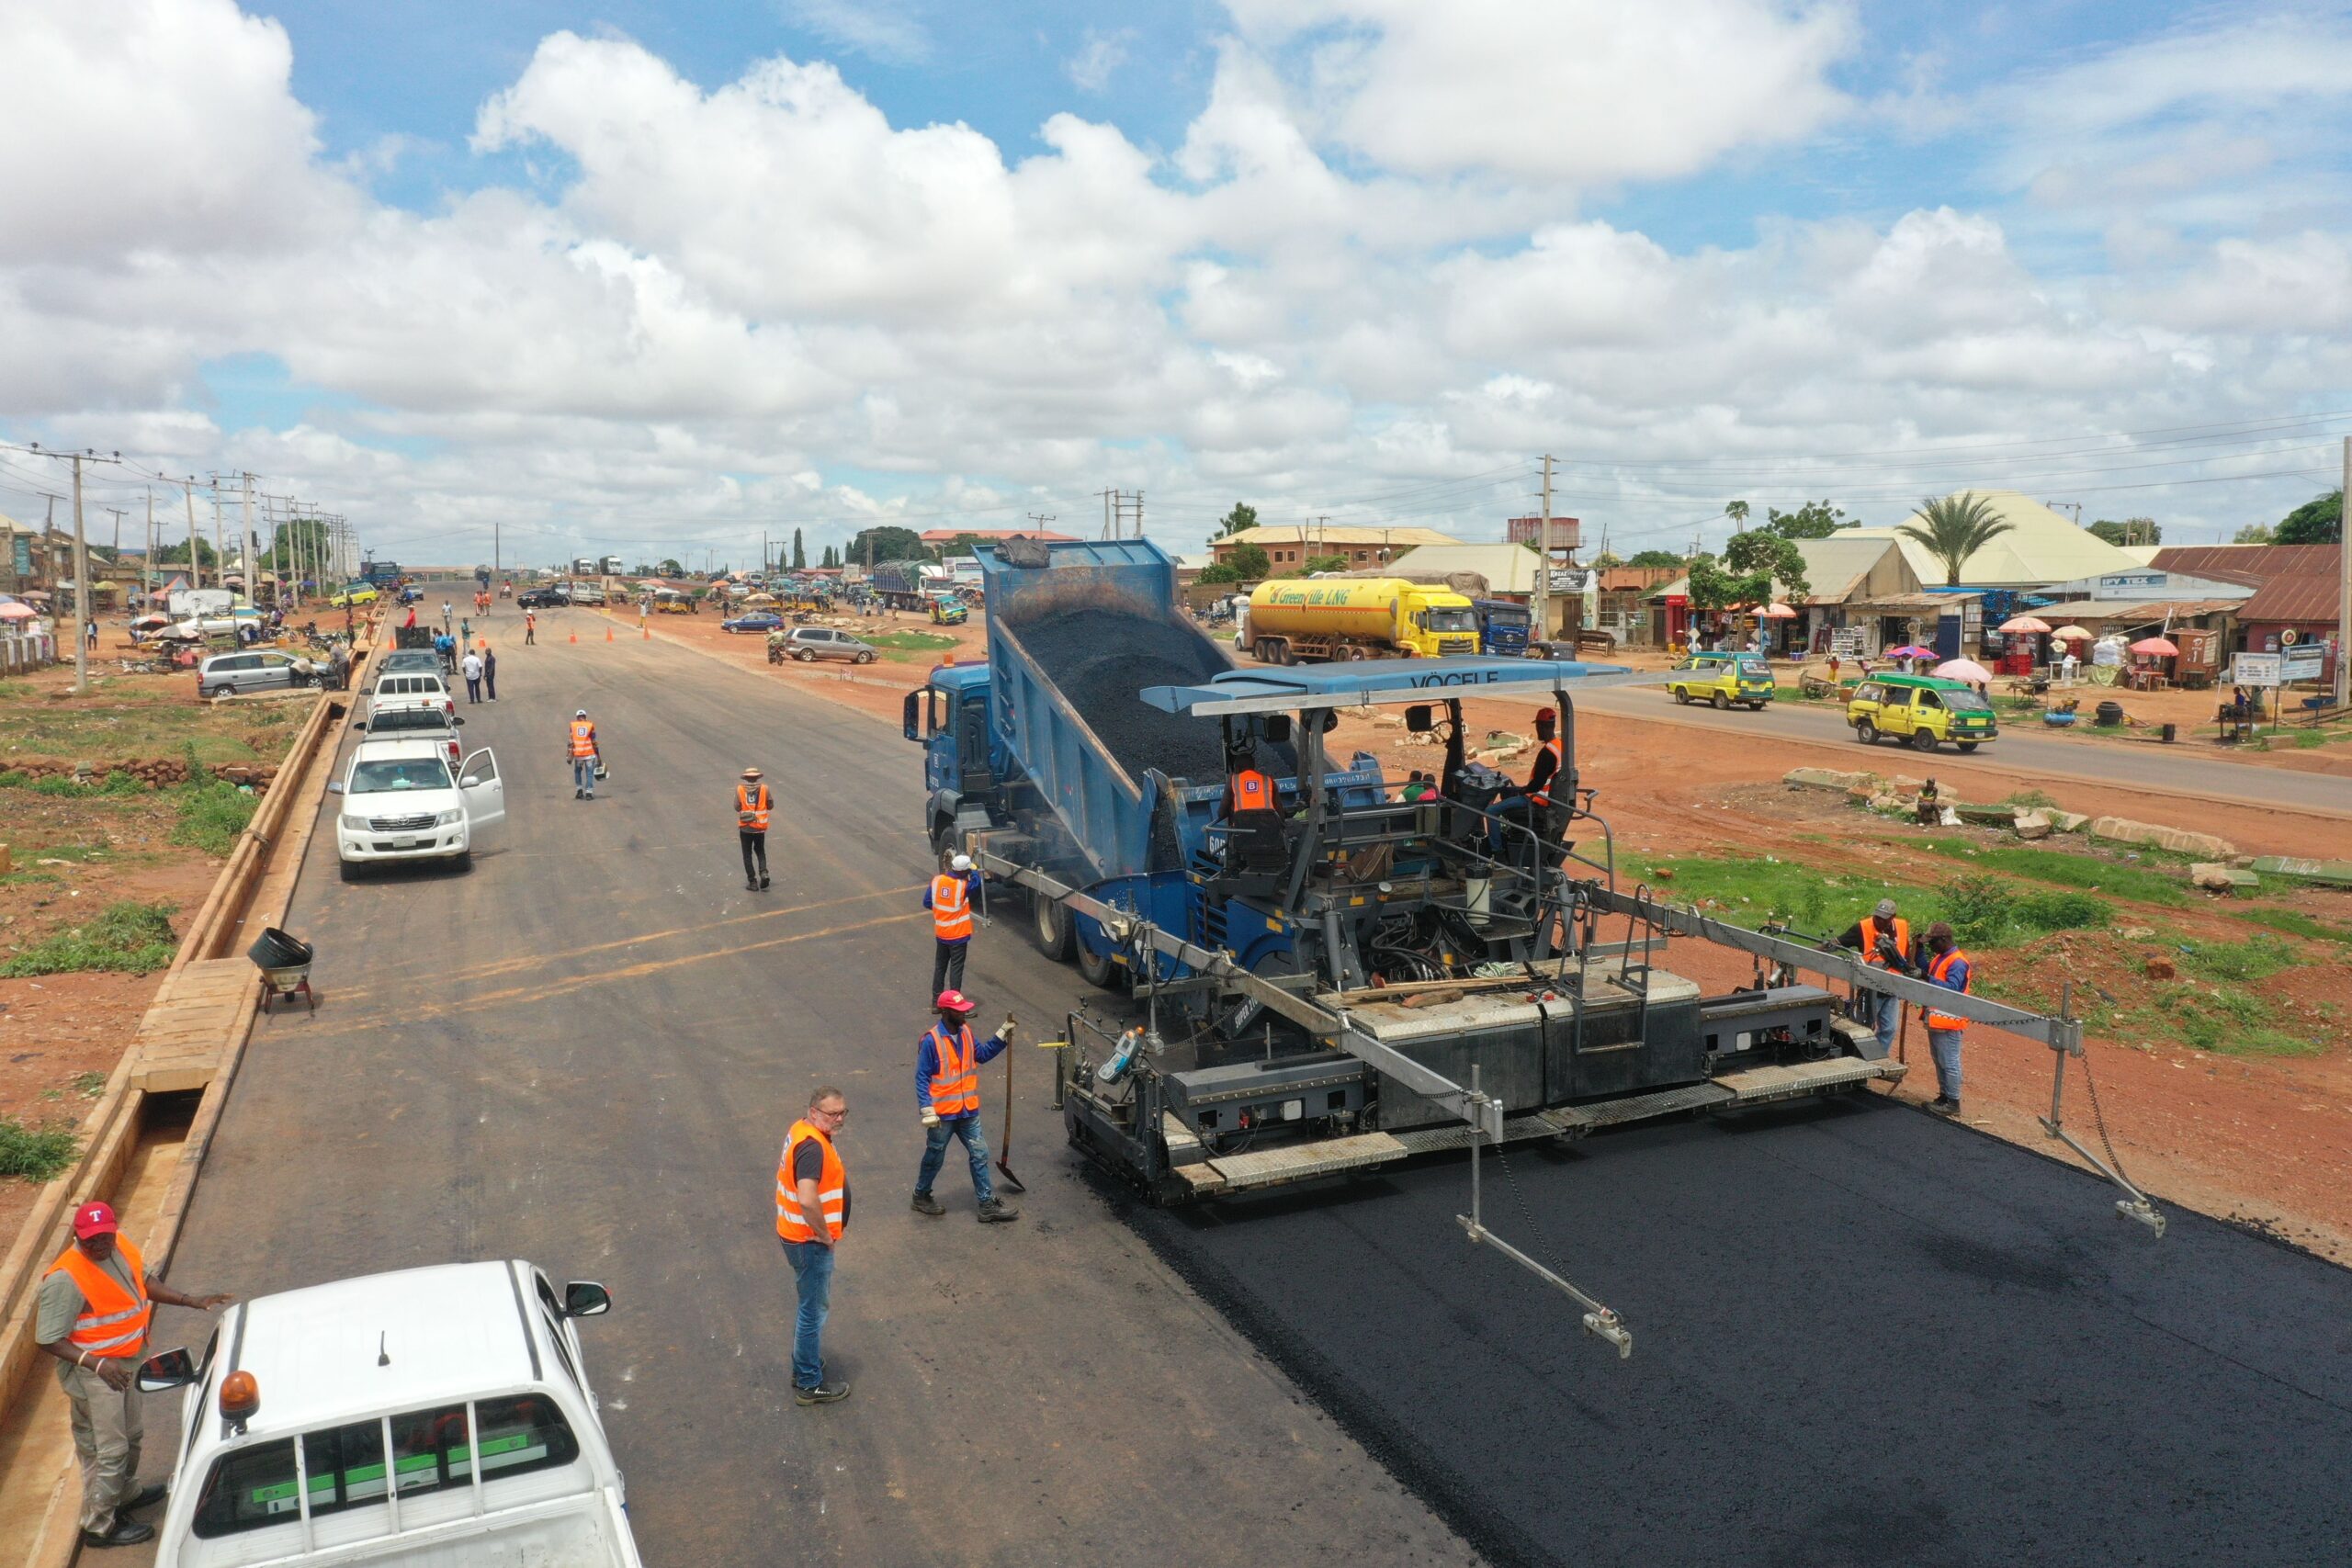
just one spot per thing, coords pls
(1910, 650)
(1776, 613)
(2018, 625)
(17, 612)
(2156, 646)
(2071, 634)
(1963, 670)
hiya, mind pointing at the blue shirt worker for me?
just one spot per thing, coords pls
(947, 1098)
(950, 899)
(1948, 967)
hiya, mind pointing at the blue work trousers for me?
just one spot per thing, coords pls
(583, 774)
(1944, 1043)
(1889, 1018)
(975, 1144)
(812, 1268)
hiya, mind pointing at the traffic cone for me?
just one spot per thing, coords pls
(575, 636)
(646, 632)
(609, 634)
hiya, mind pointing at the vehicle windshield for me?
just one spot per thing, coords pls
(394, 776)
(1451, 620)
(1965, 702)
(1511, 616)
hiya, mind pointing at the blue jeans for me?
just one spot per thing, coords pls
(812, 1265)
(1944, 1043)
(975, 1144)
(1890, 1016)
(584, 774)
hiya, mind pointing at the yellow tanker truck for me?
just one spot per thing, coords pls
(1358, 617)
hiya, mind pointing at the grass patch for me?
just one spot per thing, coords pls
(15, 690)
(2086, 873)
(2257, 958)
(125, 938)
(2032, 799)
(2229, 1023)
(36, 1154)
(2293, 923)
(1984, 910)
(212, 812)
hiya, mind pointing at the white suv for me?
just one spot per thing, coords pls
(399, 803)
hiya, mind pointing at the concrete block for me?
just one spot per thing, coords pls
(2216, 877)
(2068, 821)
(2033, 825)
(2180, 841)
(1825, 778)
(1992, 816)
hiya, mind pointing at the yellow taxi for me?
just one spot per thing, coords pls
(1723, 679)
(1923, 710)
(356, 594)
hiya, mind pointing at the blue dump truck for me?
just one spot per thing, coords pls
(1352, 973)
(1502, 626)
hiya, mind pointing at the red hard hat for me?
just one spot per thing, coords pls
(953, 1001)
(1543, 714)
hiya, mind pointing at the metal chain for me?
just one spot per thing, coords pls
(1518, 1195)
(2099, 1120)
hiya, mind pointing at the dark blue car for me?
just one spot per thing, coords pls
(754, 621)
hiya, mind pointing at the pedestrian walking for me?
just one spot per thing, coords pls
(1947, 967)
(582, 747)
(471, 667)
(947, 1099)
(90, 633)
(949, 899)
(410, 623)
(530, 628)
(92, 1314)
(811, 1213)
(753, 802)
(1883, 939)
(465, 632)
(490, 672)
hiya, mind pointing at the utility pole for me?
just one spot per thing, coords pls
(195, 561)
(497, 546)
(147, 562)
(80, 587)
(220, 556)
(253, 565)
(2344, 593)
(1543, 604)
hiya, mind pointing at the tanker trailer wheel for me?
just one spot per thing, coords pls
(1049, 928)
(1100, 972)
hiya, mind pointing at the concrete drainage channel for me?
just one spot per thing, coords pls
(144, 1143)
(1868, 1336)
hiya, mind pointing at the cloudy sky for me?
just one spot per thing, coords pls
(651, 277)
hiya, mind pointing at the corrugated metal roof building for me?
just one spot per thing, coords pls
(2296, 590)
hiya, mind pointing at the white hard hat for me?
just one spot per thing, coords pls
(961, 862)
(582, 713)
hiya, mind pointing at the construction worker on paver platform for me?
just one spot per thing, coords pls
(1947, 967)
(947, 1098)
(1883, 939)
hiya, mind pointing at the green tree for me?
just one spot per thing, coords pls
(302, 539)
(1655, 557)
(1249, 564)
(2256, 534)
(1606, 559)
(1314, 564)
(2316, 522)
(1220, 572)
(177, 554)
(1713, 588)
(1755, 563)
(1813, 520)
(669, 566)
(799, 553)
(1738, 512)
(2130, 531)
(1243, 516)
(1954, 527)
(889, 543)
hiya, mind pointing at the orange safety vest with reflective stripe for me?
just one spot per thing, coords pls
(956, 1087)
(751, 811)
(951, 908)
(1544, 797)
(832, 1188)
(1870, 933)
(583, 737)
(113, 1321)
(1935, 972)
(1252, 791)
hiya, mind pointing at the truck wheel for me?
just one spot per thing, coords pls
(1923, 740)
(1355, 653)
(348, 870)
(1100, 972)
(943, 833)
(1866, 732)
(1049, 928)
(1722, 703)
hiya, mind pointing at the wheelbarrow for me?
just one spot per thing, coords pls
(285, 964)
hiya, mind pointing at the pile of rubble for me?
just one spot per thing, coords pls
(155, 773)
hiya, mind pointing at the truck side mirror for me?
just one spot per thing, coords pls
(911, 715)
(166, 1370)
(586, 1297)
(334, 786)
(1419, 719)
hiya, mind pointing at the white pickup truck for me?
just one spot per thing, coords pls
(429, 1418)
(403, 802)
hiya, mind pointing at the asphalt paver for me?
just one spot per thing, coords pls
(1862, 1337)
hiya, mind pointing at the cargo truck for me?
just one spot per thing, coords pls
(1502, 626)
(900, 585)
(1346, 980)
(1308, 618)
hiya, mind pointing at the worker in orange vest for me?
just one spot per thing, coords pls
(1948, 967)
(1549, 761)
(949, 899)
(581, 747)
(1883, 939)
(947, 1099)
(1247, 786)
(753, 805)
(92, 1314)
(811, 1212)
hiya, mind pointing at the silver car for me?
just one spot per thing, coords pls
(255, 669)
(810, 643)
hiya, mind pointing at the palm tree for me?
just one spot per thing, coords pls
(1955, 527)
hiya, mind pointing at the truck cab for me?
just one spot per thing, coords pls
(1923, 710)
(1723, 679)
(1503, 626)
(432, 1415)
(948, 716)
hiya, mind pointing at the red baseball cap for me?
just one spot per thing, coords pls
(94, 1219)
(953, 1001)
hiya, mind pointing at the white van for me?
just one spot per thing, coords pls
(400, 803)
(429, 1417)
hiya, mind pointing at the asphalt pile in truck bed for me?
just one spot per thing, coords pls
(1100, 659)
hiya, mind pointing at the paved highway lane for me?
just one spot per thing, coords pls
(2191, 768)
(586, 1052)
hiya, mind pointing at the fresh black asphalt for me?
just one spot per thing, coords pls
(1862, 1337)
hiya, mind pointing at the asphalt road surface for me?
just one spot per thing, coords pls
(1862, 1337)
(586, 1052)
(2187, 769)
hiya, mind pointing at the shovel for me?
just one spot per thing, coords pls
(1004, 1149)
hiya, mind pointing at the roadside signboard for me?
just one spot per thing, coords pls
(2256, 670)
(2304, 661)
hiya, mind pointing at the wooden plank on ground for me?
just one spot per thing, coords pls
(188, 1028)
